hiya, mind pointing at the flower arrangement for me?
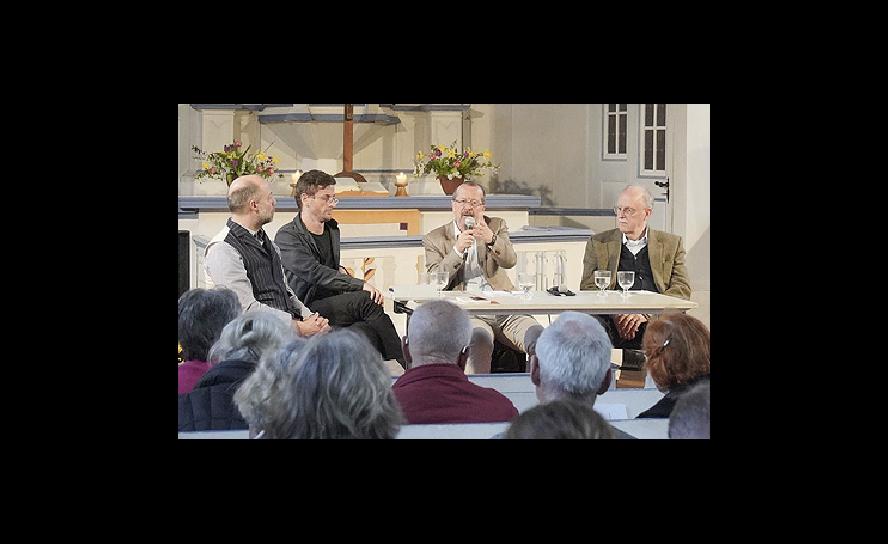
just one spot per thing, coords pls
(448, 161)
(232, 162)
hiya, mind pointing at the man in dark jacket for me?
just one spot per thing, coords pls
(310, 256)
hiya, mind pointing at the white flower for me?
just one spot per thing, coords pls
(449, 176)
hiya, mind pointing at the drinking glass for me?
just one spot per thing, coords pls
(526, 281)
(602, 280)
(441, 279)
(625, 279)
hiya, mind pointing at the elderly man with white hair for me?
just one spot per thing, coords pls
(572, 361)
(435, 388)
(657, 258)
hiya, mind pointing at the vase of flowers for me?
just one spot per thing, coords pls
(451, 166)
(232, 163)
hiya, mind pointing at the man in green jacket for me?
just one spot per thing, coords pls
(656, 257)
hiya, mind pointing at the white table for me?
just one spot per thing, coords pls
(541, 302)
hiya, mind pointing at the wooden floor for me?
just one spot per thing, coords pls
(631, 378)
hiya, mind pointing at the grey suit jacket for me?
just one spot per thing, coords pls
(665, 252)
(439, 255)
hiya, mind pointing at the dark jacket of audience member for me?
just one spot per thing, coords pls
(209, 406)
(676, 347)
(665, 405)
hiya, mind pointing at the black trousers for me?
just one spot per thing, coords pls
(355, 309)
(607, 321)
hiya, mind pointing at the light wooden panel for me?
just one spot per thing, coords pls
(365, 217)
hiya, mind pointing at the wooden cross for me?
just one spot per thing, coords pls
(347, 147)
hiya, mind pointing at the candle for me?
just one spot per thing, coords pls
(402, 179)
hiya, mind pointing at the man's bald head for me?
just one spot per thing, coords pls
(242, 190)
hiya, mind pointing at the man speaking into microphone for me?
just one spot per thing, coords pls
(475, 249)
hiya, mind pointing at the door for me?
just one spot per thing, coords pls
(654, 157)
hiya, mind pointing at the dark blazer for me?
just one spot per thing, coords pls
(665, 252)
(302, 262)
(210, 406)
(664, 406)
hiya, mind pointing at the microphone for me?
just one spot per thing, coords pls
(470, 224)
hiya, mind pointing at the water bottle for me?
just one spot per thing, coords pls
(542, 282)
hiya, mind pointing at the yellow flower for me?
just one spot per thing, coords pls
(261, 157)
(205, 166)
(441, 148)
(274, 160)
(487, 155)
(419, 156)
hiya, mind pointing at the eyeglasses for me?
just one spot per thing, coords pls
(327, 198)
(628, 212)
(465, 202)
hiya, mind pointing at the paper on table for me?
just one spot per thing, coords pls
(611, 411)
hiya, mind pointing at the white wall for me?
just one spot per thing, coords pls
(690, 189)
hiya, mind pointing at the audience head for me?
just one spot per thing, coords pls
(250, 197)
(337, 388)
(310, 183)
(572, 359)
(677, 349)
(202, 315)
(249, 336)
(634, 206)
(690, 416)
(265, 382)
(560, 419)
(439, 332)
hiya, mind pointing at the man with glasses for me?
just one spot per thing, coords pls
(657, 258)
(310, 253)
(475, 258)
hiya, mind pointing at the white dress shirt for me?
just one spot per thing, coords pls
(473, 274)
(636, 245)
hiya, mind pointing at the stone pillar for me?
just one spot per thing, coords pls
(446, 126)
(217, 129)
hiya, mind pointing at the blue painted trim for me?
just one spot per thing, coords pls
(428, 107)
(572, 211)
(378, 118)
(251, 107)
(524, 236)
(287, 203)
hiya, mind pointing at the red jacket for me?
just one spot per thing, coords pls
(441, 393)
